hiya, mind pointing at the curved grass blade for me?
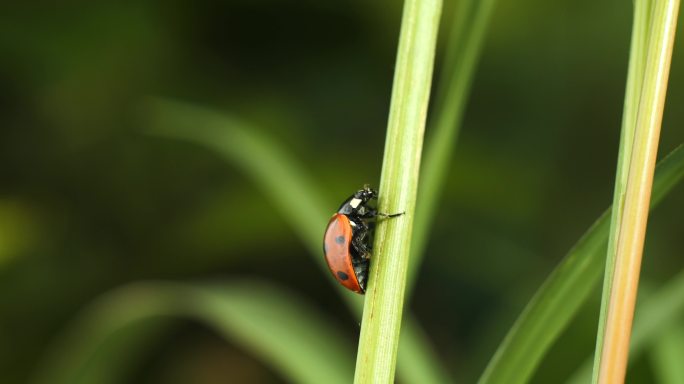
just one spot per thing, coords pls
(414, 348)
(658, 313)
(269, 166)
(565, 290)
(275, 326)
(666, 355)
(267, 163)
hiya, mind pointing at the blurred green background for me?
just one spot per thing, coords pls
(89, 201)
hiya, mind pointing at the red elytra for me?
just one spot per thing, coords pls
(336, 242)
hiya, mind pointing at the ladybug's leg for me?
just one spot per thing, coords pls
(389, 215)
(360, 251)
(360, 240)
(362, 245)
(361, 271)
(373, 213)
(370, 213)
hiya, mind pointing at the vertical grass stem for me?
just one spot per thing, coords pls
(630, 229)
(403, 146)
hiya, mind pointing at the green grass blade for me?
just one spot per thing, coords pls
(417, 363)
(267, 163)
(292, 336)
(287, 334)
(378, 344)
(666, 356)
(660, 312)
(463, 52)
(564, 291)
(458, 32)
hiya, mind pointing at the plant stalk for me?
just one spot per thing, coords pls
(383, 308)
(630, 229)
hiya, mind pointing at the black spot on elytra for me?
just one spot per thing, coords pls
(342, 275)
(339, 239)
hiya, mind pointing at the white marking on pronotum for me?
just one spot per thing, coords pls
(355, 203)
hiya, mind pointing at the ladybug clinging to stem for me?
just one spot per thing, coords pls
(347, 243)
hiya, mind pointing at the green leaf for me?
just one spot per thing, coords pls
(564, 291)
(277, 327)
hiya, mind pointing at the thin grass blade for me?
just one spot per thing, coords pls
(278, 328)
(657, 314)
(555, 303)
(666, 356)
(463, 52)
(619, 294)
(637, 65)
(272, 168)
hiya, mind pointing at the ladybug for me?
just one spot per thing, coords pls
(347, 243)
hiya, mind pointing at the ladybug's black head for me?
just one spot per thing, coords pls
(366, 194)
(356, 204)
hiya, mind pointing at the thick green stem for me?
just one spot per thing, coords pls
(385, 294)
